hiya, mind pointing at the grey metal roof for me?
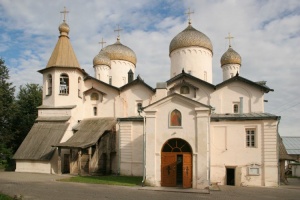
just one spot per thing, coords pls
(88, 132)
(261, 84)
(37, 144)
(283, 155)
(53, 118)
(292, 144)
(57, 107)
(245, 116)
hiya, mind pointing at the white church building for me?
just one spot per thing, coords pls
(186, 132)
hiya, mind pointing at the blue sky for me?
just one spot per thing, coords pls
(266, 35)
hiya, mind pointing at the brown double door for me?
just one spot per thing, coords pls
(176, 169)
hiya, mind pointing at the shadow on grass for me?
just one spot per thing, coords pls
(107, 180)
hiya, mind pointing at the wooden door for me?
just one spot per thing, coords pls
(187, 171)
(66, 163)
(168, 169)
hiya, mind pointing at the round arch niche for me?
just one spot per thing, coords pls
(176, 145)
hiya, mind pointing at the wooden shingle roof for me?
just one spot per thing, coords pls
(37, 144)
(88, 132)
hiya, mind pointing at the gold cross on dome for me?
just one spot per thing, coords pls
(229, 38)
(65, 13)
(189, 15)
(118, 30)
(102, 43)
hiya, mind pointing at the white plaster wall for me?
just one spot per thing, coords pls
(131, 148)
(228, 138)
(106, 106)
(119, 72)
(102, 72)
(223, 98)
(230, 70)
(72, 98)
(194, 130)
(131, 97)
(203, 93)
(194, 60)
(270, 153)
(33, 166)
(296, 170)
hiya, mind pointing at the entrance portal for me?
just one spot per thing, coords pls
(230, 176)
(176, 164)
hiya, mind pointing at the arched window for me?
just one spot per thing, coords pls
(79, 86)
(94, 97)
(64, 84)
(184, 90)
(49, 84)
(175, 118)
(176, 145)
(235, 108)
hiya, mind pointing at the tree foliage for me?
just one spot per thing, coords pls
(6, 110)
(28, 99)
(17, 115)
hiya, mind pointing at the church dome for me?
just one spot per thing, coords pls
(190, 37)
(64, 27)
(101, 59)
(118, 51)
(231, 57)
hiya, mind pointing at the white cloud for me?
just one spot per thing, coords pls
(266, 35)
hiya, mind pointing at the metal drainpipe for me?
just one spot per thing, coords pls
(119, 145)
(278, 163)
(144, 152)
(209, 154)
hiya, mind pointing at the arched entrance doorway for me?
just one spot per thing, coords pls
(176, 164)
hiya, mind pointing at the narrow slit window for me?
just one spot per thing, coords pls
(95, 110)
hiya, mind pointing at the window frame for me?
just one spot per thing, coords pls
(238, 107)
(251, 138)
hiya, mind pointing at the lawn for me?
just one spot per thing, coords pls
(5, 197)
(107, 180)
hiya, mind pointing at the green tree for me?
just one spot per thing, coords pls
(6, 113)
(28, 99)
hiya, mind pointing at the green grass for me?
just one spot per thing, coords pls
(5, 197)
(107, 180)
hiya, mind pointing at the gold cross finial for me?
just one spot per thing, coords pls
(189, 15)
(118, 30)
(102, 43)
(229, 38)
(65, 13)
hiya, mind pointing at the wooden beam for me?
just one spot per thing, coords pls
(59, 161)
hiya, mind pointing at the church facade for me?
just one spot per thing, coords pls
(185, 132)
